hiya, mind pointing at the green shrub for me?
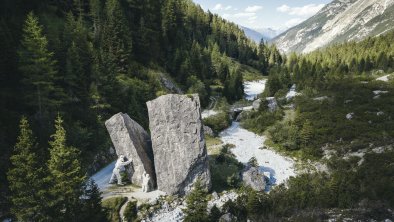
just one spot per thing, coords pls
(218, 122)
(234, 180)
(253, 162)
(259, 121)
(223, 167)
(130, 212)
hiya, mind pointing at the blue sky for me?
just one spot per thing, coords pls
(259, 14)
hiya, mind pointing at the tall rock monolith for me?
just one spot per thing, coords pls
(132, 141)
(178, 143)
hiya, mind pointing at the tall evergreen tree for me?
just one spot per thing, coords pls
(116, 39)
(66, 176)
(196, 201)
(26, 178)
(306, 133)
(38, 67)
(91, 198)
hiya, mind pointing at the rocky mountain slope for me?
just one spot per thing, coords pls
(339, 21)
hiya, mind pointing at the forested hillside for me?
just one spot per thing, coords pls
(87, 60)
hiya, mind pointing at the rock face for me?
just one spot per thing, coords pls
(178, 143)
(251, 177)
(132, 141)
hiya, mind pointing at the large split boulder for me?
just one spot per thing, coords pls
(132, 141)
(253, 178)
(178, 143)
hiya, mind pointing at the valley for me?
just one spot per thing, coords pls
(219, 125)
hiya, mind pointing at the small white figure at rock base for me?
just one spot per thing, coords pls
(119, 167)
(145, 182)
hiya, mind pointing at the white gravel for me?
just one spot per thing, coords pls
(253, 89)
(384, 78)
(248, 144)
(167, 215)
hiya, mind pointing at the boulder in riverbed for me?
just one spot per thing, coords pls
(253, 178)
(179, 149)
(132, 141)
(256, 104)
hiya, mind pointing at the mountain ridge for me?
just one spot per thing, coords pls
(339, 21)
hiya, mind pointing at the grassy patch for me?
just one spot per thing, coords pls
(213, 145)
(113, 205)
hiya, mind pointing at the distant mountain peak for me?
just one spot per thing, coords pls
(256, 35)
(339, 21)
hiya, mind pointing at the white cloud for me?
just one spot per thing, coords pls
(249, 17)
(293, 22)
(254, 8)
(220, 7)
(283, 8)
(305, 11)
(253, 18)
(244, 15)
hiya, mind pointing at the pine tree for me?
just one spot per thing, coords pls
(196, 201)
(78, 59)
(214, 214)
(306, 133)
(26, 178)
(66, 176)
(38, 67)
(116, 40)
(91, 198)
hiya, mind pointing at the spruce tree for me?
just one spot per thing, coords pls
(66, 176)
(306, 133)
(92, 209)
(78, 60)
(38, 67)
(117, 39)
(26, 178)
(196, 201)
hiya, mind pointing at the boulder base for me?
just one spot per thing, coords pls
(132, 141)
(178, 143)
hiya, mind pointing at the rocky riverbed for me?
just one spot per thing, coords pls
(248, 144)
